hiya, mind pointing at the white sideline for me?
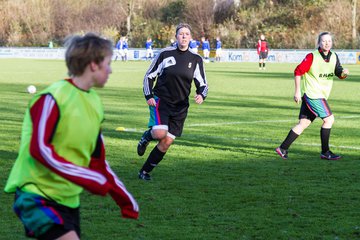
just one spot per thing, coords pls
(235, 123)
(273, 141)
(255, 139)
(261, 121)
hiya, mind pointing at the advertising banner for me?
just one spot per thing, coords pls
(228, 55)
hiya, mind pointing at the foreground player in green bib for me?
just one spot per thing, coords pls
(317, 70)
(62, 150)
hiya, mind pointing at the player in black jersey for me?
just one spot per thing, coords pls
(174, 69)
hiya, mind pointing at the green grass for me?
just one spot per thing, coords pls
(221, 179)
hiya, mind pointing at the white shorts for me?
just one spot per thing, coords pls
(218, 52)
(206, 52)
(149, 53)
(194, 50)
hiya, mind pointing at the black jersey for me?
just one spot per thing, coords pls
(174, 70)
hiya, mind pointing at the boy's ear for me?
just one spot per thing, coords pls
(93, 66)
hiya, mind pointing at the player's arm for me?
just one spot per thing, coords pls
(200, 82)
(340, 72)
(45, 116)
(297, 94)
(304, 66)
(128, 205)
(150, 76)
(153, 72)
(300, 70)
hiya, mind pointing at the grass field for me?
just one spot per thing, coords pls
(222, 178)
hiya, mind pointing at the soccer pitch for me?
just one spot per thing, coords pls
(222, 178)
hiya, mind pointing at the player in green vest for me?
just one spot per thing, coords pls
(62, 150)
(317, 70)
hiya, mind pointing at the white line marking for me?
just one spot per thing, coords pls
(235, 123)
(255, 122)
(267, 140)
(275, 141)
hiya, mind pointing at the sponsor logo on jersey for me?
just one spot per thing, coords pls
(326, 75)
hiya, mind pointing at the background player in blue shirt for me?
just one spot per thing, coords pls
(218, 50)
(125, 49)
(173, 43)
(118, 48)
(149, 50)
(205, 46)
(194, 45)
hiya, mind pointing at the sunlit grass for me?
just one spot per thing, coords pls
(221, 179)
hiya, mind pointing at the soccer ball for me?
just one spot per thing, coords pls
(31, 89)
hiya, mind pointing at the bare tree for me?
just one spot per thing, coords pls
(200, 15)
(129, 9)
(353, 24)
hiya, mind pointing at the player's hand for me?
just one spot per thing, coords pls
(344, 73)
(199, 99)
(297, 97)
(151, 102)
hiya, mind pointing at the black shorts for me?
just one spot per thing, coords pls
(312, 108)
(165, 116)
(263, 55)
(44, 219)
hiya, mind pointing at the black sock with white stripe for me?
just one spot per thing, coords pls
(153, 160)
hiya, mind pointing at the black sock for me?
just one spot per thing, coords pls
(154, 158)
(291, 137)
(263, 65)
(259, 65)
(325, 136)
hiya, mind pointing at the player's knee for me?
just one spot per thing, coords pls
(329, 120)
(301, 126)
(159, 133)
(165, 144)
(305, 123)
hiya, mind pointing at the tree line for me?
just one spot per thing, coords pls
(285, 23)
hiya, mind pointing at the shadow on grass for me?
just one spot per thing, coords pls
(257, 75)
(8, 155)
(248, 101)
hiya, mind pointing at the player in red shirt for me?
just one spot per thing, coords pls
(313, 83)
(263, 51)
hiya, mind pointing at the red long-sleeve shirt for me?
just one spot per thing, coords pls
(305, 65)
(98, 178)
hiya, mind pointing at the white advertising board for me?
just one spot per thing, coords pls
(228, 55)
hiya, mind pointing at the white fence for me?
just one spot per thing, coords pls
(228, 55)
